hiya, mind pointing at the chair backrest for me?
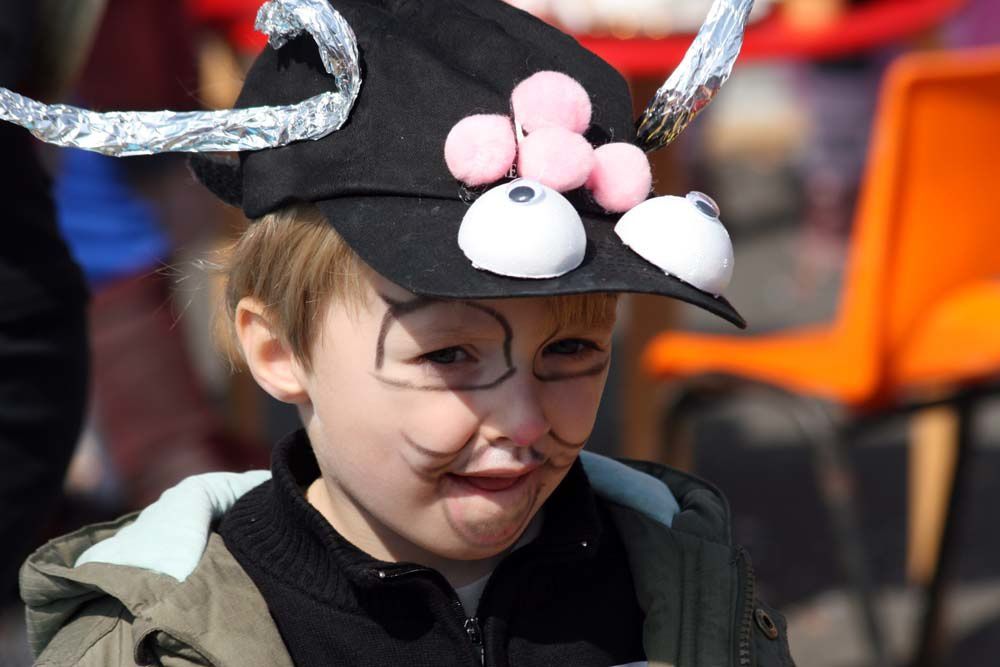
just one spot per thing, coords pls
(928, 219)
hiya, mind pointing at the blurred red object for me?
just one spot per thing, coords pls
(861, 28)
(234, 19)
(143, 58)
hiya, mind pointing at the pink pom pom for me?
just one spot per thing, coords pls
(556, 157)
(551, 99)
(621, 178)
(481, 149)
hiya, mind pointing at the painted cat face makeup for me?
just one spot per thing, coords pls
(420, 324)
(441, 427)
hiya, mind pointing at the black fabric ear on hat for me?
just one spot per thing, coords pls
(222, 176)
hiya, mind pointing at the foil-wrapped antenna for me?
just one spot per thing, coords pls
(705, 68)
(128, 133)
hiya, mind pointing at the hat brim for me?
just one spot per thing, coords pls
(413, 242)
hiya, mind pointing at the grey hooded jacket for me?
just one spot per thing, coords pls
(696, 588)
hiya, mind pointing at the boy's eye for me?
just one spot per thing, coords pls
(570, 347)
(446, 356)
(572, 358)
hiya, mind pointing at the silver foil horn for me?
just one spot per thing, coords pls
(705, 68)
(128, 133)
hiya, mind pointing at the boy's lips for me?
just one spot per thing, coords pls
(492, 484)
(493, 481)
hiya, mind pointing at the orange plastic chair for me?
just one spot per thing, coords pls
(921, 305)
(920, 313)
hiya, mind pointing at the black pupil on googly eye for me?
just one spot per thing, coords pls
(522, 194)
(706, 207)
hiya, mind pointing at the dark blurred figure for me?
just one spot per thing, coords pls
(120, 219)
(978, 24)
(43, 332)
(840, 95)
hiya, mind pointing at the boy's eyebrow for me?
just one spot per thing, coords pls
(397, 309)
(463, 329)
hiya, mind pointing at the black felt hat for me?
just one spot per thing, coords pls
(382, 180)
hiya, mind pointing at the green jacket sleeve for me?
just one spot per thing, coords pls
(102, 634)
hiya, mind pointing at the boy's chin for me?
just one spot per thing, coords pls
(471, 554)
(483, 527)
(481, 539)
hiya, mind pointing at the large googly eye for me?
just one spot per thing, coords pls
(683, 237)
(523, 229)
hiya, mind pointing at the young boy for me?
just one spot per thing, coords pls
(445, 332)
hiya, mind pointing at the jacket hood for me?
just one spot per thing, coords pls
(166, 616)
(670, 497)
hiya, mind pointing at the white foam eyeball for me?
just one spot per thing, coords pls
(683, 237)
(523, 229)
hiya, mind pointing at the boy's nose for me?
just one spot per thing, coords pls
(529, 432)
(518, 415)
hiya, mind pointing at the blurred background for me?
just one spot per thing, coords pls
(853, 426)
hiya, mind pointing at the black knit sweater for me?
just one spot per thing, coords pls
(565, 599)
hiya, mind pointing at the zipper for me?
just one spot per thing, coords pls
(382, 574)
(746, 599)
(471, 626)
(475, 635)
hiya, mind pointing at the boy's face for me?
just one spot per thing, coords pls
(441, 427)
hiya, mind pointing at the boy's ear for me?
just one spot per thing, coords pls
(271, 361)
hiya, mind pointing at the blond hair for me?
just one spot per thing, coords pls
(294, 263)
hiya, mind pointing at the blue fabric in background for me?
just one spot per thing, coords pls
(111, 230)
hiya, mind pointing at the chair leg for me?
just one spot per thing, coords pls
(676, 428)
(835, 475)
(932, 639)
(644, 318)
(932, 451)
(678, 413)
